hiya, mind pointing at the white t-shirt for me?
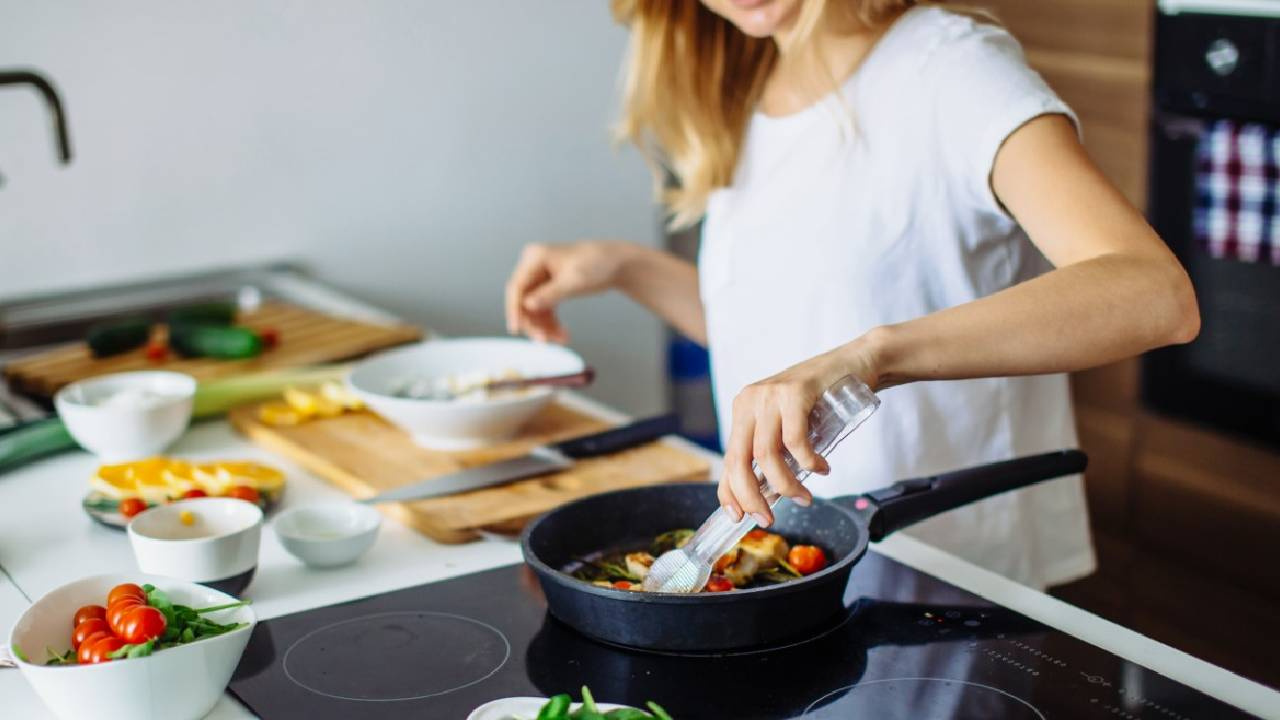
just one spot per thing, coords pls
(874, 206)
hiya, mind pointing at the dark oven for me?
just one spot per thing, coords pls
(1215, 199)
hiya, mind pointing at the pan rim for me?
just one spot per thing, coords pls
(543, 569)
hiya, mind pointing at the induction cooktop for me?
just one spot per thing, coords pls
(908, 647)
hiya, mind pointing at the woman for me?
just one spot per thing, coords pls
(889, 191)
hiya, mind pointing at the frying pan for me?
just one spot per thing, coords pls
(752, 617)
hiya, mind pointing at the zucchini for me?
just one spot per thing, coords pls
(215, 341)
(118, 336)
(213, 313)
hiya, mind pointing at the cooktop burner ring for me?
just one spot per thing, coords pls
(864, 684)
(805, 640)
(403, 633)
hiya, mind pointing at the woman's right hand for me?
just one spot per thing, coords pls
(546, 275)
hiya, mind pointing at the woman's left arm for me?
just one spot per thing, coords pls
(1116, 291)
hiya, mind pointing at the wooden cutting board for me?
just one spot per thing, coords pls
(306, 337)
(365, 455)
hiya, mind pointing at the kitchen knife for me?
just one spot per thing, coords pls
(541, 460)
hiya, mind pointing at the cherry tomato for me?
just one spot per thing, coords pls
(194, 493)
(807, 559)
(270, 337)
(244, 492)
(83, 655)
(157, 352)
(100, 649)
(622, 585)
(125, 590)
(757, 534)
(141, 624)
(132, 506)
(89, 612)
(87, 628)
(719, 583)
(117, 611)
(725, 561)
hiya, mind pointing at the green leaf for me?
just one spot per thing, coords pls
(589, 702)
(557, 708)
(216, 608)
(657, 711)
(187, 635)
(17, 652)
(66, 658)
(627, 714)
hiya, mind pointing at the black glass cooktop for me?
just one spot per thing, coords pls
(910, 647)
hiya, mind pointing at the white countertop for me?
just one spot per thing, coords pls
(46, 541)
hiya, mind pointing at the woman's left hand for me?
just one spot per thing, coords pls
(773, 414)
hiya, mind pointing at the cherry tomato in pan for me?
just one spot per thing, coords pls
(622, 585)
(83, 654)
(719, 583)
(807, 559)
(89, 612)
(100, 649)
(132, 506)
(757, 534)
(194, 493)
(244, 492)
(87, 628)
(126, 590)
(141, 624)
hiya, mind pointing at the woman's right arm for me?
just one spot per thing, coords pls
(546, 275)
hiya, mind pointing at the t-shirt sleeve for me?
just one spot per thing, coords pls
(983, 90)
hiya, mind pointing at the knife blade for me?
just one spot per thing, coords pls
(542, 460)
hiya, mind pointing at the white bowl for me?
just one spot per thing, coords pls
(460, 424)
(523, 707)
(330, 535)
(218, 549)
(178, 683)
(119, 432)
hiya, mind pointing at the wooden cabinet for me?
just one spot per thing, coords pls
(1186, 520)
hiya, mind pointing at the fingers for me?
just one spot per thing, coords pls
(531, 278)
(737, 462)
(530, 271)
(795, 437)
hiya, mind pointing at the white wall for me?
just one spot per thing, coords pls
(403, 149)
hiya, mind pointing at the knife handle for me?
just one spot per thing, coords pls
(620, 438)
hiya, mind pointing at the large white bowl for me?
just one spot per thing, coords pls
(460, 424)
(115, 433)
(178, 683)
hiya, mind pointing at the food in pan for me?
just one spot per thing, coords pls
(761, 558)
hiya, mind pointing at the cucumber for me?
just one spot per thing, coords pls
(118, 336)
(215, 341)
(214, 313)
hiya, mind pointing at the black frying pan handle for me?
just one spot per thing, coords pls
(907, 502)
(620, 438)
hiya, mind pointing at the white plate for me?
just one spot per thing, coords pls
(525, 708)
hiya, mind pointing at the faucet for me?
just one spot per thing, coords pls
(50, 95)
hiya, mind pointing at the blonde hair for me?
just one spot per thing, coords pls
(691, 84)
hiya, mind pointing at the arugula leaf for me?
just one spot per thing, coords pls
(17, 652)
(658, 712)
(627, 714)
(66, 658)
(135, 650)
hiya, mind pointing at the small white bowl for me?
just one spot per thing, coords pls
(468, 423)
(117, 431)
(218, 549)
(178, 683)
(523, 707)
(325, 536)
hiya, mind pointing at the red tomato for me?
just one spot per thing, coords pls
(622, 585)
(87, 628)
(157, 352)
(719, 583)
(100, 649)
(270, 337)
(125, 590)
(807, 559)
(117, 611)
(244, 492)
(89, 612)
(757, 534)
(194, 493)
(83, 655)
(132, 506)
(141, 624)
